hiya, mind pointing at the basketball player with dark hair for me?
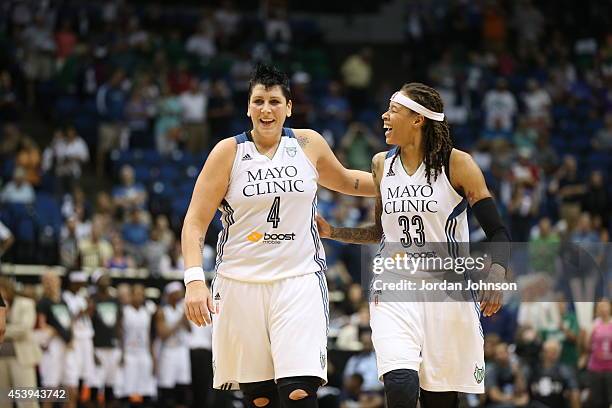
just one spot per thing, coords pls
(269, 297)
(434, 346)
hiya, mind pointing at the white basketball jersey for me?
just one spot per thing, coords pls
(268, 214)
(172, 315)
(418, 215)
(136, 327)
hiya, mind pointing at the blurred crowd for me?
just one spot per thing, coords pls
(108, 110)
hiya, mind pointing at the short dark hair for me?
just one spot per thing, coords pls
(269, 76)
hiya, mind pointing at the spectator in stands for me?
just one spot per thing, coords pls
(551, 383)
(335, 111)
(55, 326)
(110, 103)
(194, 105)
(220, 111)
(66, 155)
(566, 333)
(10, 107)
(135, 233)
(522, 208)
(584, 232)
(168, 123)
(39, 50)
(6, 241)
(29, 158)
(65, 41)
(567, 185)
(9, 143)
(202, 43)
(543, 247)
(349, 335)
(537, 103)
(137, 116)
(599, 365)
(357, 77)
(120, 259)
(596, 200)
(500, 107)
(529, 24)
(130, 194)
(69, 244)
(20, 353)
(358, 146)
(505, 381)
(95, 251)
(603, 137)
(166, 234)
(153, 252)
(18, 190)
(525, 135)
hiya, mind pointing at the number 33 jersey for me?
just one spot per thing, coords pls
(416, 215)
(268, 214)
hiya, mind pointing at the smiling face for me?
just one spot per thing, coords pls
(268, 109)
(402, 125)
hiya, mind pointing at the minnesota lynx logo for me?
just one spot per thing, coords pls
(479, 373)
(291, 151)
(323, 359)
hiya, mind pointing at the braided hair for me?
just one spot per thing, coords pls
(436, 135)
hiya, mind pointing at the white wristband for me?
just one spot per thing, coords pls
(193, 273)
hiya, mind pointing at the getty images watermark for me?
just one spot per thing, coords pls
(418, 270)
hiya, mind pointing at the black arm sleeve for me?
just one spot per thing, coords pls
(487, 215)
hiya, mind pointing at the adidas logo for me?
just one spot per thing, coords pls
(247, 157)
(217, 296)
(390, 173)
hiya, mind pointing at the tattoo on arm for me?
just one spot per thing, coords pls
(356, 184)
(302, 141)
(366, 235)
(202, 244)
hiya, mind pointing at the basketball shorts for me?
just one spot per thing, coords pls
(137, 373)
(272, 330)
(80, 362)
(174, 366)
(443, 341)
(108, 371)
(52, 368)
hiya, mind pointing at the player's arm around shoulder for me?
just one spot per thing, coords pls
(210, 189)
(332, 174)
(368, 234)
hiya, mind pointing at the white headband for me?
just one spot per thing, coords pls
(402, 99)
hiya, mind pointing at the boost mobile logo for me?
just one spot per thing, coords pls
(270, 238)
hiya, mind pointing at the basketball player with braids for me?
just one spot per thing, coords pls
(269, 297)
(436, 347)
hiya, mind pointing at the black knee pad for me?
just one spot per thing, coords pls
(261, 389)
(430, 399)
(306, 383)
(401, 388)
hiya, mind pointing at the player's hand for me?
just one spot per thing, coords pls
(491, 300)
(198, 303)
(324, 228)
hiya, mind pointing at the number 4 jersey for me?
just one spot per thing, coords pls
(417, 216)
(268, 214)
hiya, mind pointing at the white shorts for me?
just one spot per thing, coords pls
(174, 367)
(443, 341)
(53, 368)
(107, 373)
(137, 374)
(272, 330)
(80, 362)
